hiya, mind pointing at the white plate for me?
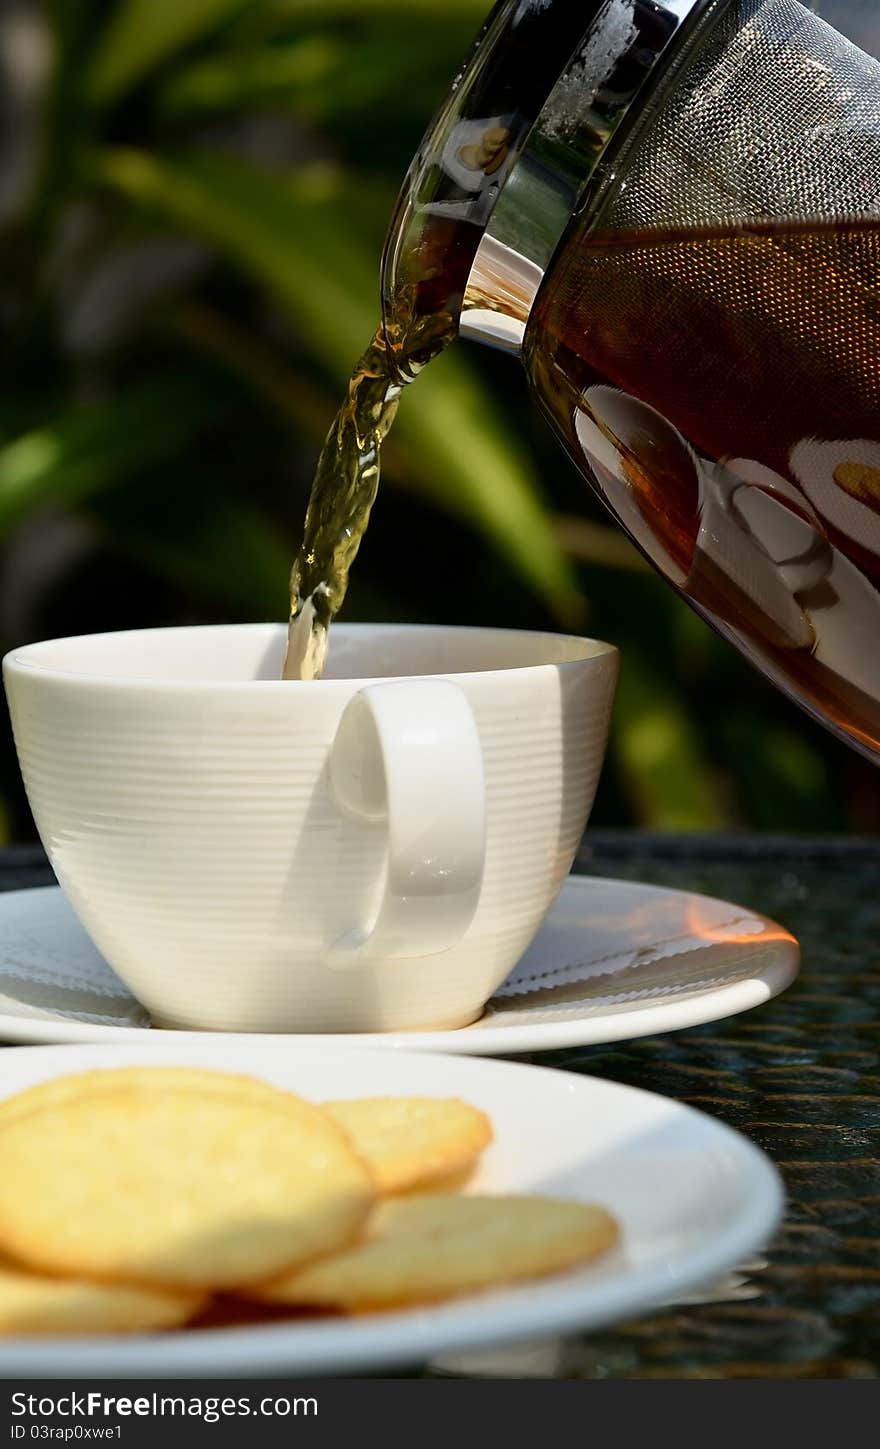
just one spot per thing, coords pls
(614, 960)
(693, 1198)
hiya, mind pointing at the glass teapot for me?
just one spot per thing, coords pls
(671, 213)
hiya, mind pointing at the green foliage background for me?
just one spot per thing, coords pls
(192, 205)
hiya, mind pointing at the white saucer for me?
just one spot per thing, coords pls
(614, 960)
(693, 1199)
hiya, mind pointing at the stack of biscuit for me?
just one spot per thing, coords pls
(132, 1199)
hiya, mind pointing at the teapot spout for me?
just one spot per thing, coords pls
(509, 156)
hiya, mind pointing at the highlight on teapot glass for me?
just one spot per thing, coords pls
(671, 213)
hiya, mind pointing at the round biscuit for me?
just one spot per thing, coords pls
(425, 1248)
(409, 1141)
(32, 1304)
(111, 1079)
(162, 1178)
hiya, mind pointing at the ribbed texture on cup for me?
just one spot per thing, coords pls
(197, 839)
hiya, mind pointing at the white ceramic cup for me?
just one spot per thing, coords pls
(372, 851)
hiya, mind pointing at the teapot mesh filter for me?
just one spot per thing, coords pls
(744, 206)
(774, 115)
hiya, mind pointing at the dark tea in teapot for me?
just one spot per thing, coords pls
(722, 390)
(672, 215)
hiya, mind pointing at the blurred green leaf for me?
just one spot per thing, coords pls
(83, 449)
(142, 33)
(293, 75)
(207, 540)
(359, 20)
(659, 752)
(276, 228)
(292, 235)
(783, 777)
(473, 467)
(325, 77)
(334, 10)
(248, 357)
(596, 543)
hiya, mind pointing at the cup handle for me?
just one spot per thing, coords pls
(408, 754)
